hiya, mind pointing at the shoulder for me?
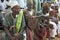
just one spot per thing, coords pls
(8, 15)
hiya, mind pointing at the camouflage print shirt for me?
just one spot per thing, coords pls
(10, 21)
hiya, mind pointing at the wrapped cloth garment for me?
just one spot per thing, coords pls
(2, 6)
(9, 21)
(37, 4)
(22, 3)
(2, 32)
(31, 25)
(40, 34)
(53, 31)
(48, 33)
(28, 35)
(3, 35)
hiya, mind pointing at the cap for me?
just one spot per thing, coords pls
(14, 3)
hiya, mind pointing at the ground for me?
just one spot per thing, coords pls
(57, 38)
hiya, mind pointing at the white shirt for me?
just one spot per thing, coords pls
(57, 2)
(11, 3)
(2, 6)
(58, 24)
(7, 2)
(22, 3)
(31, 12)
(53, 31)
(59, 10)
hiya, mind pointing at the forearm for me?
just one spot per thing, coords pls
(7, 32)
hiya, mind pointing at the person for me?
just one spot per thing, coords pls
(51, 14)
(22, 3)
(59, 27)
(12, 28)
(2, 5)
(45, 9)
(53, 32)
(57, 3)
(31, 9)
(30, 21)
(2, 32)
(52, 6)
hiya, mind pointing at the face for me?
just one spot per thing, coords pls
(30, 6)
(16, 9)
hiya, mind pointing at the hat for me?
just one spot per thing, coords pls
(12, 4)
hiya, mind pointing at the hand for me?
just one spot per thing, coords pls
(16, 34)
(12, 27)
(33, 17)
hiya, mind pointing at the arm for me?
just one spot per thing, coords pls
(7, 24)
(7, 31)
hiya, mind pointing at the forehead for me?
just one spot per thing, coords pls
(16, 6)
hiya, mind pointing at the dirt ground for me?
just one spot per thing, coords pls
(57, 38)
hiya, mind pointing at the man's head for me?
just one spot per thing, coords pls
(30, 6)
(14, 7)
(45, 8)
(15, 10)
(51, 13)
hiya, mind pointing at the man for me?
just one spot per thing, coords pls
(14, 23)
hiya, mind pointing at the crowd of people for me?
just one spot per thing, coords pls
(24, 23)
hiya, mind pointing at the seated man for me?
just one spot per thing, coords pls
(14, 23)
